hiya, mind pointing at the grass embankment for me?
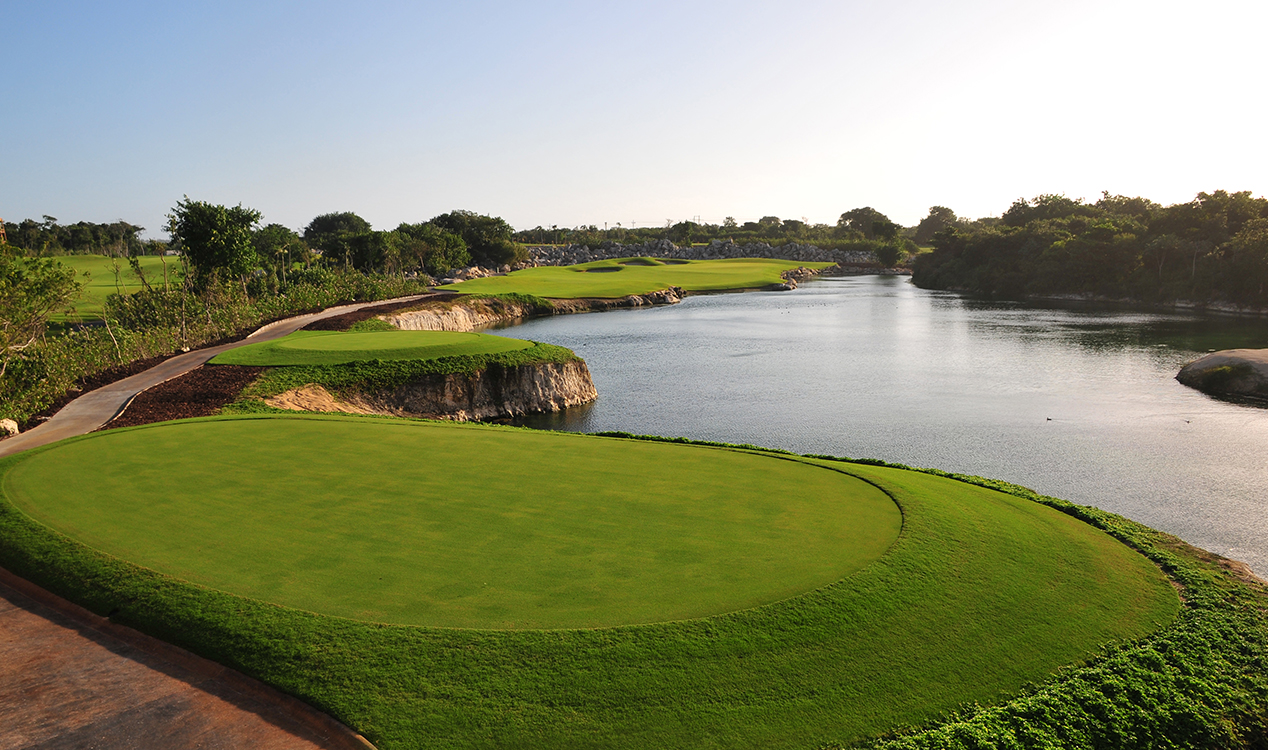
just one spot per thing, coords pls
(97, 274)
(611, 279)
(982, 593)
(334, 347)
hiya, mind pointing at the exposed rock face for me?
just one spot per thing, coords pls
(1232, 372)
(493, 392)
(468, 316)
(8, 427)
(473, 315)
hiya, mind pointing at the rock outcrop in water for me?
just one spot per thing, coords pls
(1232, 372)
(496, 391)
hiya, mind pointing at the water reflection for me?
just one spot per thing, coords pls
(1074, 400)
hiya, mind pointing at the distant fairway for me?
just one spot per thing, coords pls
(97, 274)
(608, 279)
(333, 348)
(805, 624)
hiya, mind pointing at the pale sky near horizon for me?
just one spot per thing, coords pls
(575, 113)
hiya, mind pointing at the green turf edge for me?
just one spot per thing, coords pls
(375, 374)
(285, 650)
(1201, 683)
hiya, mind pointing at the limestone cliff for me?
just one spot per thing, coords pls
(476, 314)
(496, 391)
(1232, 372)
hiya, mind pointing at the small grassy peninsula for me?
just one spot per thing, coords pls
(622, 277)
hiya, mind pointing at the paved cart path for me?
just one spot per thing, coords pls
(95, 408)
(71, 679)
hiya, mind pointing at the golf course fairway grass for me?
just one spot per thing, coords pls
(97, 274)
(610, 279)
(980, 594)
(334, 347)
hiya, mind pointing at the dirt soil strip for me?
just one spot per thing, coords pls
(201, 392)
(71, 679)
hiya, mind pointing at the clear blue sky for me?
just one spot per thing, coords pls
(584, 113)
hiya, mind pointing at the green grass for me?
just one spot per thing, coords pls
(612, 534)
(982, 594)
(97, 274)
(607, 279)
(334, 347)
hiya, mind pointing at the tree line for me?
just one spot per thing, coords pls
(117, 239)
(862, 228)
(1213, 248)
(228, 241)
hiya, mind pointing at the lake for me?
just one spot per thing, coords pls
(1075, 401)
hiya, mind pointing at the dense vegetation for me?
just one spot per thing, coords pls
(981, 594)
(1211, 249)
(227, 274)
(864, 229)
(46, 237)
(157, 322)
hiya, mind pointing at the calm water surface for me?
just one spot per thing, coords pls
(1075, 402)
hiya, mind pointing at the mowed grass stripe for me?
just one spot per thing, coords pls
(981, 594)
(431, 524)
(610, 279)
(334, 347)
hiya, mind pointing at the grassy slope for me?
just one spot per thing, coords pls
(345, 519)
(983, 593)
(332, 347)
(96, 273)
(572, 282)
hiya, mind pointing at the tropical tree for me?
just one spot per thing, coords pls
(864, 220)
(215, 240)
(939, 218)
(488, 238)
(279, 247)
(31, 290)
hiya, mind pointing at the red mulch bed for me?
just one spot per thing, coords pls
(201, 392)
(346, 321)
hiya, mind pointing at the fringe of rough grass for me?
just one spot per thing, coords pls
(1201, 683)
(540, 305)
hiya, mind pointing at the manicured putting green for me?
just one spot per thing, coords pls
(431, 524)
(333, 347)
(607, 279)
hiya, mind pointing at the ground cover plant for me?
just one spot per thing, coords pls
(982, 593)
(609, 279)
(334, 347)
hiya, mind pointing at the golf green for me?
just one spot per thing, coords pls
(333, 348)
(608, 279)
(434, 524)
(780, 610)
